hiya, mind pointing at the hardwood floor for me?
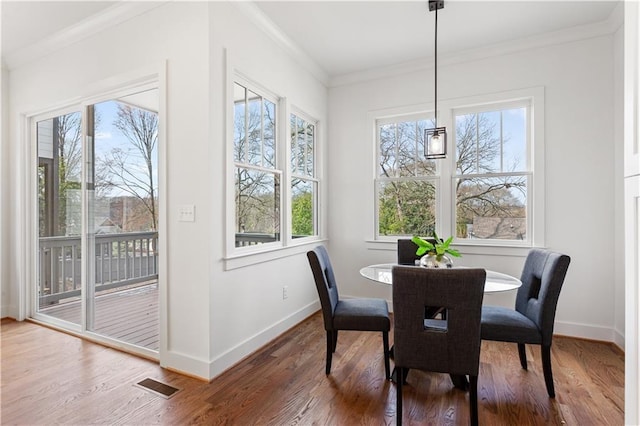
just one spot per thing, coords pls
(50, 377)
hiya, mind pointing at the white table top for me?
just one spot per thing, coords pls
(495, 282)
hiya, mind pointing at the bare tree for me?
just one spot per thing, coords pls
(124, 170)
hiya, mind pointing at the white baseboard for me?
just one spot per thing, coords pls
(185, 364)
(255, 342)
(585, 331)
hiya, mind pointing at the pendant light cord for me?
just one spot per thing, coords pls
(435, 90)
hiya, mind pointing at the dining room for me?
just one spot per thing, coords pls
(289, 125)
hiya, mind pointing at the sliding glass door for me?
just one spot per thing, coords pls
(98, 219)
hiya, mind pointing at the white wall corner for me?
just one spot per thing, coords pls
(257, 341)
(185, 364)
(586, 331)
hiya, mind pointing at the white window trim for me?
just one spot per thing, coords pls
(247, 256)
(445, 222)
(152, 76)
(316, 201)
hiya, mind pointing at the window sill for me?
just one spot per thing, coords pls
(250, 258)
(505, 249)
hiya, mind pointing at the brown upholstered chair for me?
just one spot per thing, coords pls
(349, 314)
(445, 346)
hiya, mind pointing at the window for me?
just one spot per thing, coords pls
(304, 185)
(275, 174)
(482, 193)
(257, 176)
(407, 183)
(492, 173)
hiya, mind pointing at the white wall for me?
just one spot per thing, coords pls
(578, 81)
(177, 33)
(214, 317)
(618, 222)
(247, 307)
(4, 188)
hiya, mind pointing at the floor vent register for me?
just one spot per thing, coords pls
(157, 388)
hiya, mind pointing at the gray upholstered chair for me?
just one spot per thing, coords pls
(407, 251)
(349, 314)
(445, 346)
(532, 320)
(407, 256)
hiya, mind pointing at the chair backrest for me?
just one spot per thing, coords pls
(445, 346)
(325, 283)
(407, 251)
(542, 277)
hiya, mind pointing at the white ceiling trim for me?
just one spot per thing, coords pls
(264, 23)
(109, 17)
(606, 27)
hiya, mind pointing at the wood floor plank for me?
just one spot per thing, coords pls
(48, 377)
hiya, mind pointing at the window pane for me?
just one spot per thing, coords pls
(254, 108)
(310, 136)
(514, 123)
(269, 123)
(402, 149)
(492, 208)
(239, 124)
(406, 208)
(257, 206)
(302, 208)
(254, 137)
(302, 140)
(491, 142)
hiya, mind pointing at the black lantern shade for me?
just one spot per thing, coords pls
(435, 143)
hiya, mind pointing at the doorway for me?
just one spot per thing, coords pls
(97, 197)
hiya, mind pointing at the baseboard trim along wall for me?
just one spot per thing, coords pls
(255, 342)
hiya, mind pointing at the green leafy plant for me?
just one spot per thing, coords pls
(439, 249)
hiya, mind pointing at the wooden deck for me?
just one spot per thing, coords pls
(128, 315)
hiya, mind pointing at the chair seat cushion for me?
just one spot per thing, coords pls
(362, 314)
(508, 325)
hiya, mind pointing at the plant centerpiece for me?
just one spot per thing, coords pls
(435, 255)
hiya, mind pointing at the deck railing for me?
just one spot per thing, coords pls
(121, 260)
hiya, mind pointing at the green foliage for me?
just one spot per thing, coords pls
(302, 214)
(438, 249)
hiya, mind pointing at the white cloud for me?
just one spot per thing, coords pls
(103, 135)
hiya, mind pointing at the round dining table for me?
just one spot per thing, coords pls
(495, 282)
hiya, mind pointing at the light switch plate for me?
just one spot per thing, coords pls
(187, 213)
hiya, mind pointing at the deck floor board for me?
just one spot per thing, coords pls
(128, 315)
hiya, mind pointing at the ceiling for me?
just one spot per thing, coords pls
(344, 37)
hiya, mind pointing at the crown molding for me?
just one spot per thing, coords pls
(264, 23)
(569, 35)
(109, 17)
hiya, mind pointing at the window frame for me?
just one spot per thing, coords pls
(445, 204)
(238, 257)
(297, 112)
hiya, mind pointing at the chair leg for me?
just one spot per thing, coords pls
(330, 346)
(399, 397)
(385, 344)
(546, 368)
(473, 399)
(335, 339)
(523, 355)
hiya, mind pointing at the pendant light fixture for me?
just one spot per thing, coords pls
(436, 137)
